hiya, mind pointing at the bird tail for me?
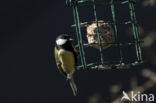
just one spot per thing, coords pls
(73, 86)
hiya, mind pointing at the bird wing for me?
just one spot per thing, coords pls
(77, 53)
(56, 56)
(58, 63)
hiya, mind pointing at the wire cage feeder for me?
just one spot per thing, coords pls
(103, 64)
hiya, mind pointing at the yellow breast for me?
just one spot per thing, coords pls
(67, 60)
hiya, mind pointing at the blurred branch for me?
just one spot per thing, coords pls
(149, 74)
(150, 3)
(146, 86)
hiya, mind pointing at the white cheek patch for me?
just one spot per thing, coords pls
(61, 41)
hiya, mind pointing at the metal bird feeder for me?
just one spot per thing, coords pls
(101, 44)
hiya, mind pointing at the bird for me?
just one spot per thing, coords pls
(66, 59)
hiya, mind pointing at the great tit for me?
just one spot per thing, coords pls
(66, 59)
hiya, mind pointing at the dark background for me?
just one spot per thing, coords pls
(28, 71)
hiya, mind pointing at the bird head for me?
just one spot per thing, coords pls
(63, 39)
